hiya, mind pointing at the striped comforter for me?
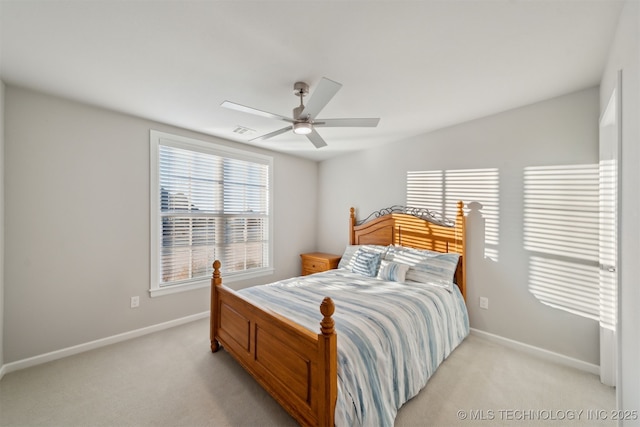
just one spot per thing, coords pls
(391, 336)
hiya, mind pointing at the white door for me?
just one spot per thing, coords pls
(608, 253)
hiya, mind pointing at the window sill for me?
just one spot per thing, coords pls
(205, 283)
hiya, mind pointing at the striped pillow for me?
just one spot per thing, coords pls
(426, 266)
(366, 263)
(348, 257)
(392, 271)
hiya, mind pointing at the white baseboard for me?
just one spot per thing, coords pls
(539, 352)
(69, 351)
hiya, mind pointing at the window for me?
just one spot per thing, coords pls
(208, 202)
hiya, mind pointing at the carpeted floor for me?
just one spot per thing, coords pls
(170, 378)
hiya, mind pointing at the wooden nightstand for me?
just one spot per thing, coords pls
(315, 262)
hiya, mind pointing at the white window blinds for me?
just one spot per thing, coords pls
(211, 204)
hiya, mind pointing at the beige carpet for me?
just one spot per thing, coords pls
(170, 378)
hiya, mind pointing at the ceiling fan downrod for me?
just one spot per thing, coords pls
(300, 89)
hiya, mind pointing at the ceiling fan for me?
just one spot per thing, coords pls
(304, 119)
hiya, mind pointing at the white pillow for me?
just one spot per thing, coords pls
(426, 266)
(393, 271)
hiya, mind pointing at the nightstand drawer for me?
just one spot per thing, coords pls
(314, 265)
(317, 261)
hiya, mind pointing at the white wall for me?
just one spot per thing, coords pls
(1, 227)
(625, 55)
(560, 131)
(77, 224)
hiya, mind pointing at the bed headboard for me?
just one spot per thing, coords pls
(407, 228)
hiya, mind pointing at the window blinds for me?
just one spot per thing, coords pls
(211, 207)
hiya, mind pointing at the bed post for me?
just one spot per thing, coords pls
(328, 349)
(352, 224)
(461, 274)
(216, 281)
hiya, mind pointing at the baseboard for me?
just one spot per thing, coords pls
(69, 351)
(540, 352)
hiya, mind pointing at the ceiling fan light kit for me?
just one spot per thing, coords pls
(303, 121)
(302, 128)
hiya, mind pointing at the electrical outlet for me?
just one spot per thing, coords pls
(484, 303)
(135, 302)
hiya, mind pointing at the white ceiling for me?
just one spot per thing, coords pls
(418, 65)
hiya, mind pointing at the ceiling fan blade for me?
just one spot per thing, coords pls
(316, 139)
(271, 135)
(320, 98)
(334, 123)
(244, 109)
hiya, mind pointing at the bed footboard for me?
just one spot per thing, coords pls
(297, 367)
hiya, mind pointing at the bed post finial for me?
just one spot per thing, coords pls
(460, 208)
(217, 280)
(327, 308)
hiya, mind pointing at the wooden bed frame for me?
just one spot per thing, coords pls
(297, 367)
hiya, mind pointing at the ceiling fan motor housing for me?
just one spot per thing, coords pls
(297, 111)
